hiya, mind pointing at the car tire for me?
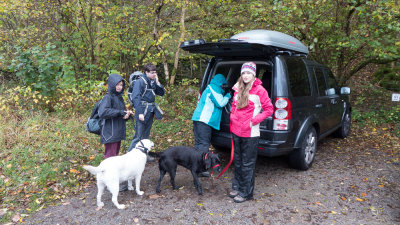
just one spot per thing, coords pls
(344, 129)
(303, 157)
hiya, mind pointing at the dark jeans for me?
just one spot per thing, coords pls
(245, 163)
(202, 135)
(111, 149)
(142, 131)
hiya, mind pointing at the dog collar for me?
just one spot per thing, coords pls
(142, 148)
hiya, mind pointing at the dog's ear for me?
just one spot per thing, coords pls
(207, 160)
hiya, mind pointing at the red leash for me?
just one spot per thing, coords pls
(232, 154)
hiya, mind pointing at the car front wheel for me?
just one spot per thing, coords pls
(344, 130)
(302, 158)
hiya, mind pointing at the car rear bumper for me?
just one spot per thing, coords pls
(276, 147)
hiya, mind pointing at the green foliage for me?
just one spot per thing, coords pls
(99, 35)
(388, 77)
(44, 70)
(346, 35)
(381, 117)
(22, 99)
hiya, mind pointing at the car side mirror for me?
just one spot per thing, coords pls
(330, 91)
(345, 90)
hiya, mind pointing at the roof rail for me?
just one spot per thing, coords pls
(228, 39)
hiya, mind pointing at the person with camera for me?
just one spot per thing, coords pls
(207, 115)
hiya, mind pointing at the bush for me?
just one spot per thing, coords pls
(388, 77)
(44, 71)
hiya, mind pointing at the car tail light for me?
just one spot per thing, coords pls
(282, 113)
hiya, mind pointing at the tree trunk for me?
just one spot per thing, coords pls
(183, 31)
(155, 36)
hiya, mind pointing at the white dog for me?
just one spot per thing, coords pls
(114, 170)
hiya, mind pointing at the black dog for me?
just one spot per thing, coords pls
(190, 158)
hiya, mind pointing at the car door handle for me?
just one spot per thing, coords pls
(333, 101)
(318, 106)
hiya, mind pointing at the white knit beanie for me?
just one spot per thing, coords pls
(249, 67)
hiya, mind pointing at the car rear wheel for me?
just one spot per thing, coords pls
(303, 157)
(344, 130)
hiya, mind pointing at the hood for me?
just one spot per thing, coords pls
(217, 81)
(113, 80)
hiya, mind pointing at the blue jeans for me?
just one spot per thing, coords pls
(142, 131)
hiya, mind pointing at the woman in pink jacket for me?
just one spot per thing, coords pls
(250, 106)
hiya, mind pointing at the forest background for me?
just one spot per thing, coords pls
(55, 56)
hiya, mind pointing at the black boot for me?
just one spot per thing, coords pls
(204, 174)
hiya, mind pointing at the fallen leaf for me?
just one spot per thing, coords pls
(359, 199)
(343, 198)
(3, 211)
(16, 218)
(365, 179)
(136, 220)
(98, 208)
(333, 212)
(74, 171)
(381, 185)
(363, 194)
(9, 166)
(155, 196)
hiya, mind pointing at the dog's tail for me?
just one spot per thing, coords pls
(93, 170)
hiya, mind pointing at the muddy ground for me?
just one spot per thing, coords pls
(347, 184)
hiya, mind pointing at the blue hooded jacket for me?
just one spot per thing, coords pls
(212, 100)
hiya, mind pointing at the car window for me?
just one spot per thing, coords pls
(299, 83)
(331, 80)
(321, 84)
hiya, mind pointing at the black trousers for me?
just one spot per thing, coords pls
(202, 136)
(245, 149)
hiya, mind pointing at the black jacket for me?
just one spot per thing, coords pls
(139, 87)
(111, 110)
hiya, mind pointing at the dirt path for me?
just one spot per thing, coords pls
(346, 185)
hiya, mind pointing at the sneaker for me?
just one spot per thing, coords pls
(233, 193)
(239, 199)
(150, 159)
(204, 174)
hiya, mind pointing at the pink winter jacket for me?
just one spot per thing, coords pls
(241, 118)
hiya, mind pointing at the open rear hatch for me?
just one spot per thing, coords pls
(253, 43)
(227, 48)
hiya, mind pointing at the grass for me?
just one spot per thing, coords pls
(43, 153)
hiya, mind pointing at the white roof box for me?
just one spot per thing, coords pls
(272, 38)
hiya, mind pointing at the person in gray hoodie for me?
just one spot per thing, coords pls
(113, 113)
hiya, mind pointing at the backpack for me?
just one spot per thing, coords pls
(93, 124)
(132, 78)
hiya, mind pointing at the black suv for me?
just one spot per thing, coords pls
(308, 104)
